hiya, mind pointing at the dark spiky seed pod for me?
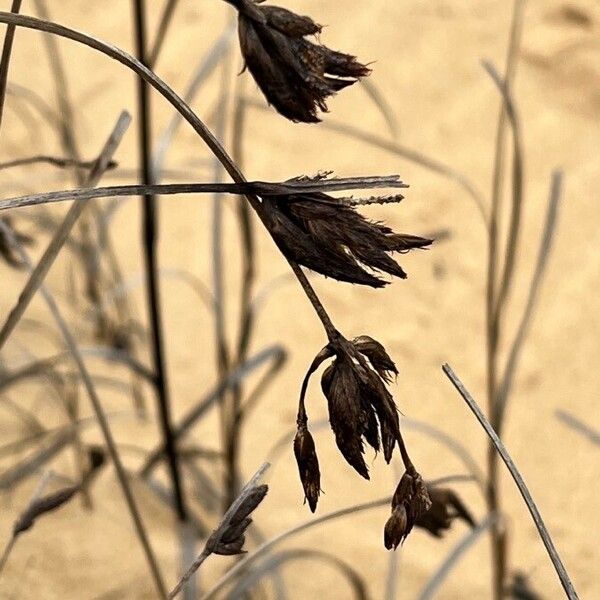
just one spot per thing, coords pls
(295, 75)
(308, 465)
(446, 506)
(331, 237)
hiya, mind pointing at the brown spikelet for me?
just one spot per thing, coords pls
(331, 237)
(411, 499)
(229, 538)
(295, 74)
(308, 465)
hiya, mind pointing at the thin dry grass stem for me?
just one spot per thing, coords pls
(356, 582)
(5, 59)
(164, 22)
(579, 426)
(97, 406)
(517, 199)
(228, 538)
(547, 239)
(383, 106)
(41, 269)
(493, 323)
(150, 233)
(520, 483)
(63, 163)
(262, 188)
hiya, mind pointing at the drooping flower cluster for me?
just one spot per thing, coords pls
(295, 74)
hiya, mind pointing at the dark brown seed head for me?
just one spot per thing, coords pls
(295, 75)
(330, 236)
(228, 539)
(308, 465)
(446, 506)
(396, 528)
(412, 496)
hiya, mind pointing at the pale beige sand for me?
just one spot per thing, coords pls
(428, 66)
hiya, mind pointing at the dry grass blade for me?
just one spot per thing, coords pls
(538, 274)
(517, 193)
(260, 188)
(30, 465)
(433, 585)
(379, 100)
(5, 60)
(535, 514)
(41, 270)
(579, 426)
(351, 575)
(62, 163)
(164, 22)
(150, 235)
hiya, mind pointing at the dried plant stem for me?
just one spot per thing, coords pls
(182, 107)
(55, 161)
(262, 188)
(150, 239)
(518, 479)
(7, 550)
(163, 26)
(492, 321)
(5, 60)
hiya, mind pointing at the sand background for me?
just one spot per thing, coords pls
(427, 64)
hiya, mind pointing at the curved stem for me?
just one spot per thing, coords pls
(188, 114)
